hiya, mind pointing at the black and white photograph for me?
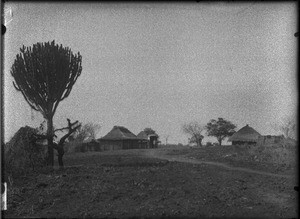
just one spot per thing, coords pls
(149, 109)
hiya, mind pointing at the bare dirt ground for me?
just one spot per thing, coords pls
(167, 182)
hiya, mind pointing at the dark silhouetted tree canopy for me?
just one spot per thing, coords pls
(45, 74)
(220, 129)
(149, 131)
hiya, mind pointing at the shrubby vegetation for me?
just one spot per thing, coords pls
(283, 153)
(87, 131)
(209, 144)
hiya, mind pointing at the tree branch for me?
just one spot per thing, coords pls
(71, 131)
(61, 129)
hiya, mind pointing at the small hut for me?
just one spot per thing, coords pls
(153, 140)
(143, 140)
(246, 135)
(147, 141)
(119, 138)
(268, 140)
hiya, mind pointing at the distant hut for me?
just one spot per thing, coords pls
(268, 140)
(147, 141)
(119, 138)
(153, 140)
(143, 140)
(246, 135)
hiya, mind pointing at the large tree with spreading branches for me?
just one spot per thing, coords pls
(45, 74)
(220, 129)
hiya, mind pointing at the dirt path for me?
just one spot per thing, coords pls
(161, 154)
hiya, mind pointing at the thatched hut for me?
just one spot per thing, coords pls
(246, 135)
(119, 138)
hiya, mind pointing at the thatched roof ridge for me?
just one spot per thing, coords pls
(246, 133)
(119, 133)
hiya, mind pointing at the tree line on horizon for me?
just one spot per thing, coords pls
(219, 128)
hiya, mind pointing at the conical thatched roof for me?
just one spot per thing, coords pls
(21, 138)
(246, 133)
(119, 133)
(20, 150)
(142, 135)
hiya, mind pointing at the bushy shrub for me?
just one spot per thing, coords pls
(283, 153)
(276, 154)
(98, 147)
(209, 144)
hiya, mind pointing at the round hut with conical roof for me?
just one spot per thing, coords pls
(246, 135)
(119, 138)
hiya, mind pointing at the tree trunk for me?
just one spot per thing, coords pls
(50, 160)
(199, 142)
(60, 158)
(60, 151)
(220, 141)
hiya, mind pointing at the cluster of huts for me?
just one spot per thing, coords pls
(121, 138)
(248, 135)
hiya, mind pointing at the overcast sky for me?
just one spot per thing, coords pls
(160, 65)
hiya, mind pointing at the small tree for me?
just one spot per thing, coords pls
(88, 130)
(45, 74)
(220, 129)
(149, 131)
(167, 137)
(194, 129)
(288, 126)
(71, 128)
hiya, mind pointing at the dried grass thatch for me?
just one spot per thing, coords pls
(119, 133)
(245, 134)
(21, 153)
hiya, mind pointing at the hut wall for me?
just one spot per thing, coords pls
(269, 139)
(130, 144)
(243, 143)
(142, 144)
(92, 146)
(107, 145)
